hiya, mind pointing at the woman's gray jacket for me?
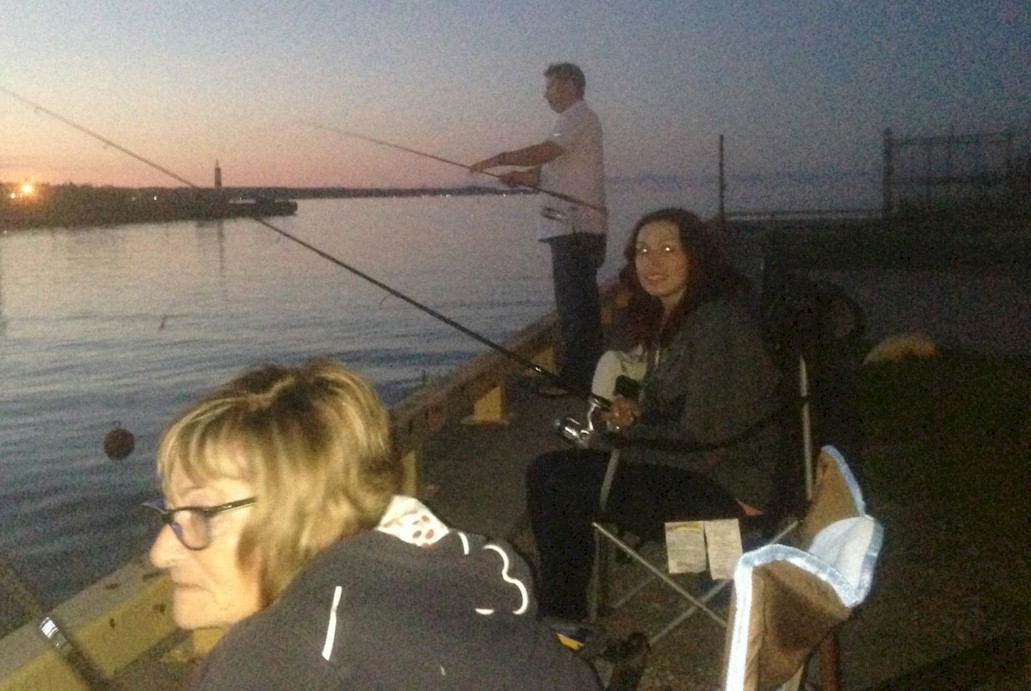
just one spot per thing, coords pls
(711, 403)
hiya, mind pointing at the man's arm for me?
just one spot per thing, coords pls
(529, 156)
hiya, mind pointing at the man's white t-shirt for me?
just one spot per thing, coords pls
(578, 173)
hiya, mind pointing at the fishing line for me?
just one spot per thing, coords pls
(100, 138)
(381, 142)
(554, 378)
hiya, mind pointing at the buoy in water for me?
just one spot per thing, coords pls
(118, 443)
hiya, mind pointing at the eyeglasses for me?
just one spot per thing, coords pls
(192, 524)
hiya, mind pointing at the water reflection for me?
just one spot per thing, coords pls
(3, 312)
(131, 323)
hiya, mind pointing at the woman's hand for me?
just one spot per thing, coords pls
(621, 414)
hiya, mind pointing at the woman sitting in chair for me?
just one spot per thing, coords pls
(703, 440)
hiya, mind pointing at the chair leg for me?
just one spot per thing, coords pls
(830, 669)
(696, 602)
(599, 579)
(600, 595)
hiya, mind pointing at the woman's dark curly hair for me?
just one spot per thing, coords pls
(709, 276)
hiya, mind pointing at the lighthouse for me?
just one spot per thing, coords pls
(218, 177)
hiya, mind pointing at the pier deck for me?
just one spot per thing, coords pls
(945, 467)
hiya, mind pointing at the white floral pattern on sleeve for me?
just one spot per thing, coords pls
(409, 520)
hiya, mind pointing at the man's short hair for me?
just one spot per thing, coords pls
(569, 72)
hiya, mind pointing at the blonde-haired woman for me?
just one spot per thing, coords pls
(284, 526)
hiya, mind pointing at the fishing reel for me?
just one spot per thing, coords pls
(580, 434)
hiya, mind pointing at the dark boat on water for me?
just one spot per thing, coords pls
(259, 207)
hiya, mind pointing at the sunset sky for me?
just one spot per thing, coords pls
(794, 85)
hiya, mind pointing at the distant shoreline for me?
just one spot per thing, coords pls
(77, 206)
(361, 192)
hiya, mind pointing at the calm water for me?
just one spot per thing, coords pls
(128, 324)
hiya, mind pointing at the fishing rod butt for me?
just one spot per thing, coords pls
(63, 643)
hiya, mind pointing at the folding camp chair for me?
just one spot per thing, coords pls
(803, 321)
(607, 536)
(788, 600)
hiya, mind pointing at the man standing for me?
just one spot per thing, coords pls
(568, 167)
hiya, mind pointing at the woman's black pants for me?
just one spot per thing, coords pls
(562, 497)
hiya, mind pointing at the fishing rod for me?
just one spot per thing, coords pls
(52, 632)
(525, 362)
(381, 142)
(107, 142)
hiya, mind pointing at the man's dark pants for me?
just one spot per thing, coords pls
(575, 260)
